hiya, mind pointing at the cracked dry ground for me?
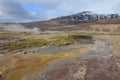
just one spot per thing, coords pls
(99, 63)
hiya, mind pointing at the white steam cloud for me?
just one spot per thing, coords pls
(18, 28)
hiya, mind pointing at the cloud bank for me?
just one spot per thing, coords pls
(25, 10)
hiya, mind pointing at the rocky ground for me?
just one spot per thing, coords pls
(99, 63)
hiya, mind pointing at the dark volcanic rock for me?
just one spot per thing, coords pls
(86, 16)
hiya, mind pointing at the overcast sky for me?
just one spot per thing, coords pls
(45, 9)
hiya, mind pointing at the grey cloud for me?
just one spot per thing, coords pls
(66, 7)
(14, 9)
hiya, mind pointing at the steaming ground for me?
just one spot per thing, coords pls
(18, 28)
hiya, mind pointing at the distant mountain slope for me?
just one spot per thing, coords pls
(82, 17)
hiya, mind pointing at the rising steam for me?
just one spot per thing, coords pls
(18, 28)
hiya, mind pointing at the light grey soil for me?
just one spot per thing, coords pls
(56, 49)
(99, 47)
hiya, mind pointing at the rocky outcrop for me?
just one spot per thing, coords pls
(86, 16)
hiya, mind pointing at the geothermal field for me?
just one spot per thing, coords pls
(81, 46)
(86, 51)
